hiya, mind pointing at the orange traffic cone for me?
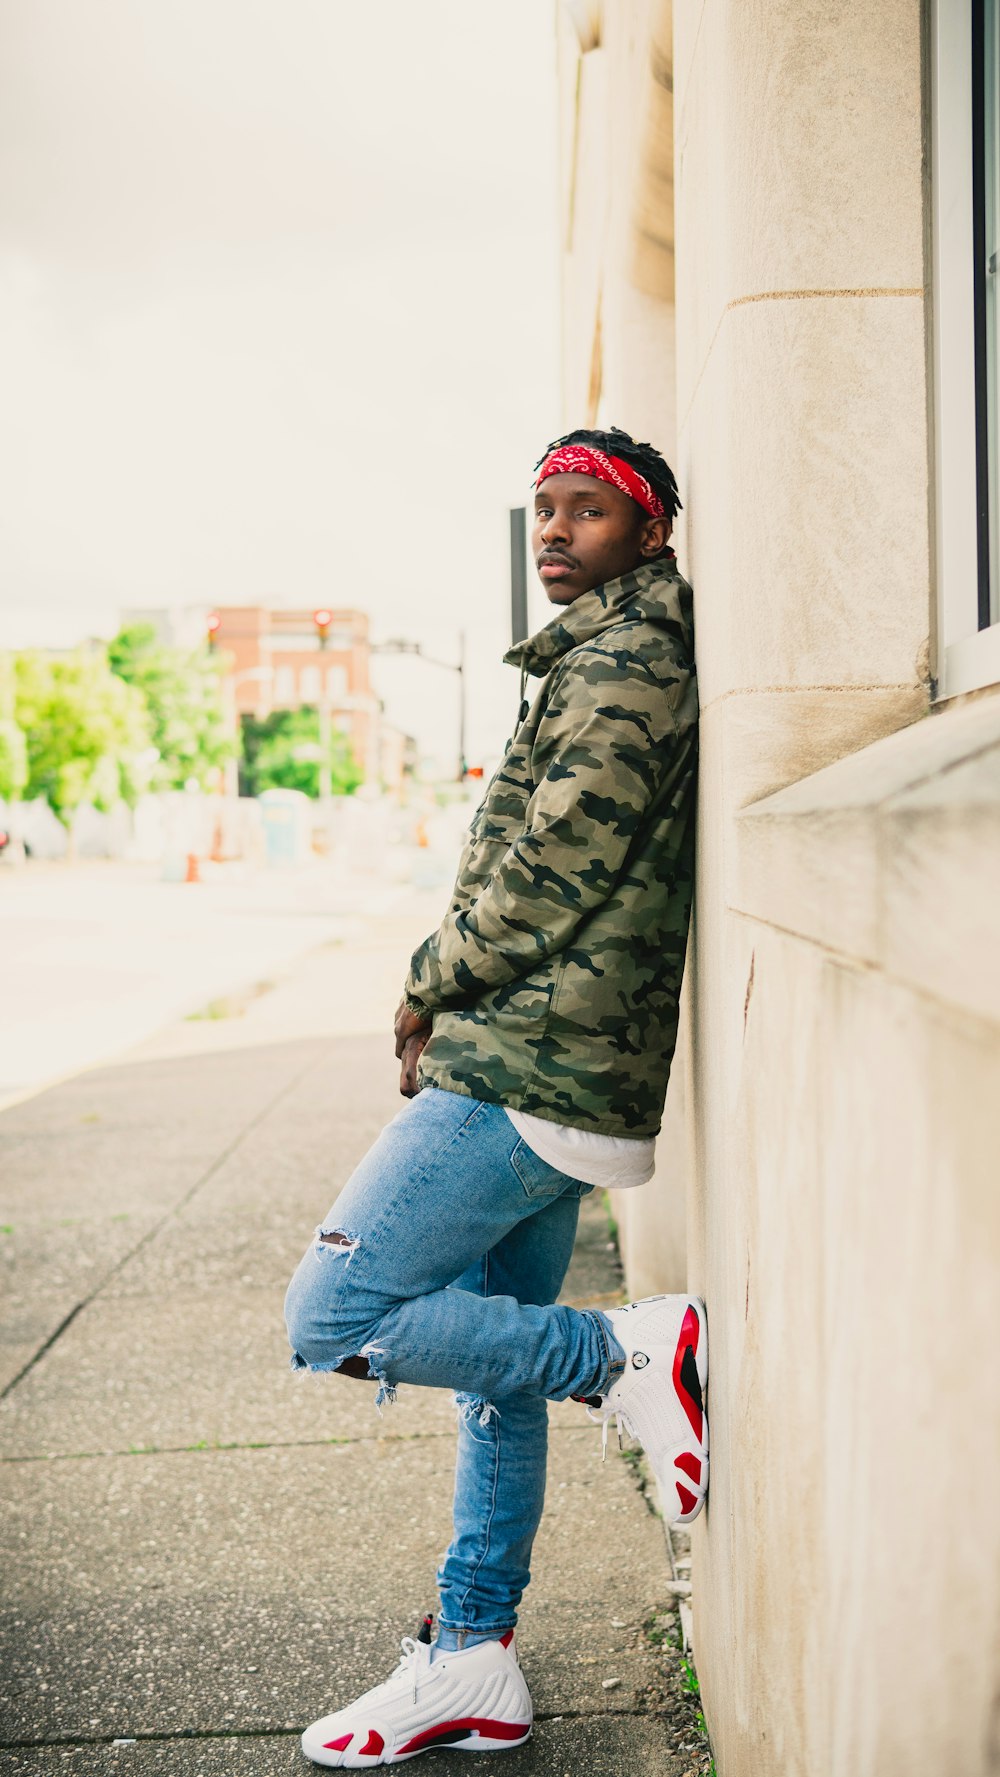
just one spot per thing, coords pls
(192, 873)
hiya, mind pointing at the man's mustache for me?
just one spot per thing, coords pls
(559, 555)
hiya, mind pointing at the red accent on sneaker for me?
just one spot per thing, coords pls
(373, 1745)
(687, 1498)
(688, 1337)
(340, 1745)
(505, 1640)
(690, 1463)
(469, 1724)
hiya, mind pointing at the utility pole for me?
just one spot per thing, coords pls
(323, 620)
(462, 762)
(398, 646)
(518, 575)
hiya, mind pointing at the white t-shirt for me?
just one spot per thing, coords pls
(614, 1162)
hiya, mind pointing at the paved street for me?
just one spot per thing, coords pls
(98, 955)
(203, 1551)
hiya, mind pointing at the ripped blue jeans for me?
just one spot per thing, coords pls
(439, 1264)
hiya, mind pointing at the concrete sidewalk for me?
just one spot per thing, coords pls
(202, 1550)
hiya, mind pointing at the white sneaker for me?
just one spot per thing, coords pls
(659, 1397)
(474, 1700)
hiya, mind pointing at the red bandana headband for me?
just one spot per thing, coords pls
(583, 459)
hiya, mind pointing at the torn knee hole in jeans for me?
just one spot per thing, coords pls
(386, 1390)
(338, 1240)
(362, 1366)
(364, 1369)
(473, 1407)
(358, 1367)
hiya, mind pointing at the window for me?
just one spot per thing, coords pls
(966, 188)
(284, 685)
(309, 684)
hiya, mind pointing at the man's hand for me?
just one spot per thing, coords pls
(408, 1024)
(412, 1033)
(412, 1050)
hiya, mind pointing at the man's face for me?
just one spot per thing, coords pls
(586, 533)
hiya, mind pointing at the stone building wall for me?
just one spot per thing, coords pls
(834, 1122)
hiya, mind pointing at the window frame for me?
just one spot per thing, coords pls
(968, 656)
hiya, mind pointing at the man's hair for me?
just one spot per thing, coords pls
(642, 457)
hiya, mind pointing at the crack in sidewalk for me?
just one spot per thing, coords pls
(206, 1449)
(179, 1735)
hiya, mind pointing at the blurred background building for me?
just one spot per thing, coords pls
(778, 229)
(274, 662)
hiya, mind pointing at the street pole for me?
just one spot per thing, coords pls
(251, 675)
(231, 769)
(324, 742)
(461, 707)
(324, 747)
(518, 575)
(398, 646)
(322, 620)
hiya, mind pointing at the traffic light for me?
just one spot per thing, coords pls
(322, 620)
(213, 625)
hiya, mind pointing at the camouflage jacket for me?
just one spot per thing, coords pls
(554, 977)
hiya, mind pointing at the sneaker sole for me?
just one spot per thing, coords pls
(698, 1449)
(343, 1758)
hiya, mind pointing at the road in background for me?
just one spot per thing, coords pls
(98, 955)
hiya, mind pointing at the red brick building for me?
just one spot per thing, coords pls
(276, 663)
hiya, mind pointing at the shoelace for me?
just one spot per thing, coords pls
(603, 1416)
(411, 1658)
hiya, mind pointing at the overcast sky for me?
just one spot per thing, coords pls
(277, 317)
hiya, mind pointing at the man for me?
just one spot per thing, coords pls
(535, 1034)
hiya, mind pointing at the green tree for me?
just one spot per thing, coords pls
(13, 745)
(88, 736)
(183, 693)
(13, 759)
(282, 752)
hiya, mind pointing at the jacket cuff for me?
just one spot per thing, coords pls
(417, 1007)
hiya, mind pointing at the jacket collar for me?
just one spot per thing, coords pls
(654, 591)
